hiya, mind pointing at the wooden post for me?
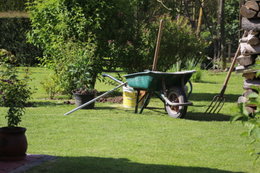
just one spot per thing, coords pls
(157, 48)
(222, 33)
(200, 18)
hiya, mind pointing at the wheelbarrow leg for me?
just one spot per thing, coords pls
(137, 101)
(146, 100)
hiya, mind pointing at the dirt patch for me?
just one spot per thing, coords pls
(117, 99)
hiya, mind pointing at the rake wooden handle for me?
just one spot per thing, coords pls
(230, 71)
(156, 53)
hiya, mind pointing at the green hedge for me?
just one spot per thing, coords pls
(13, 38)
(12, 5)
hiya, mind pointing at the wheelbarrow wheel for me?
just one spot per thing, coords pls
(176, 95)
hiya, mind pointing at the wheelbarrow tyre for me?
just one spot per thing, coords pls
(176, 95)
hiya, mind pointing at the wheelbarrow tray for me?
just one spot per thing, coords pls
(152, 80)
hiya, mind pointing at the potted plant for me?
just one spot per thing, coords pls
(83, 87)
(14, 94)
(78, 72)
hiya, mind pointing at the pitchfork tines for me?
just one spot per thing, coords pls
(219, 100)
(216, 104)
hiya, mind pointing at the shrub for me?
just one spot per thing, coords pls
(79, 38)
(189, 65)
(14, 92)
(73, 37)
(13, 38)
(178, 44)
(50, 86)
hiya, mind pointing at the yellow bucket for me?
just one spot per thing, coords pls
(129, 97)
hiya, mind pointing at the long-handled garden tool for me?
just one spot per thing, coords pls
(106, 93)
(219, 100)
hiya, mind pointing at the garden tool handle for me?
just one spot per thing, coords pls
(230, 71)
(111, 77)
(93, 100)
(157, 48)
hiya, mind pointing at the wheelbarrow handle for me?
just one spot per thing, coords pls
(167, 101)
(191, 88)
(111, 77)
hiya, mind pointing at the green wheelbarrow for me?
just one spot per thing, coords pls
(168, 87)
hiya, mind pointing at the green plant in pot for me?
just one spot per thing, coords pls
(84, 90)
(78, 75)
(14, 95)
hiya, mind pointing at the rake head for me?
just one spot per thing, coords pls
(216, 104)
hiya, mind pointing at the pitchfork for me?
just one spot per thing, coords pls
(219, 100)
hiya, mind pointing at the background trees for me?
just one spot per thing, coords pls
(123, 32)
(81, 39)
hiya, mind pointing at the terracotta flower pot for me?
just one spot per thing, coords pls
(13, 143)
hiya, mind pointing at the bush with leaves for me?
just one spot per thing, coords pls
(188, 65)
(62, 28)
(178, 43)
(86, 37)
(80, 69)
(50, 86)
(14, 92)
(74, 37)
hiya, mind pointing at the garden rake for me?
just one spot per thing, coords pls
(219, 100)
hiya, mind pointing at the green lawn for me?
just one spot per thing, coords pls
(111, 138)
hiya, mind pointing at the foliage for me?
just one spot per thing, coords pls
(81, 68)
(232, 21)
(188, 65)
(14, 92)
(13, 38)
(256, 66)
(12, 5)
(178, 43)
(50, 86)
(73, 36)
(81, 39)
(251, 119)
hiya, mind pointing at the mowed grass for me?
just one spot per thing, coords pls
(111, 138)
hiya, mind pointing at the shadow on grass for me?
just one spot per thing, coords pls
(104, 108)
(45, 103)
(195, 116)
(199, 116)
(207, 82)
(209, 97)
(113, 165)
